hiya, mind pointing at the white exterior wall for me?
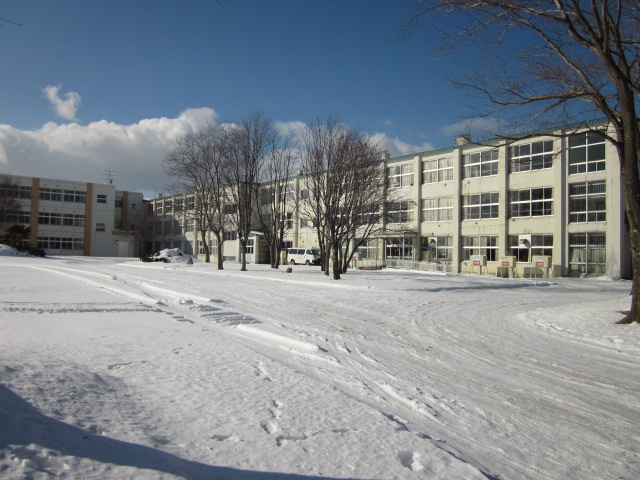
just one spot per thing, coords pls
(107, 243)
(557, 224)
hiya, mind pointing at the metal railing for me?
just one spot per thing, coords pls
(415, 265)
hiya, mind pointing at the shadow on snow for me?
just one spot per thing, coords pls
(23, 425)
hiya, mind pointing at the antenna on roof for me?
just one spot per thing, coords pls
(109, 175)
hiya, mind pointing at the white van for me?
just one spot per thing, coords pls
(308, 256)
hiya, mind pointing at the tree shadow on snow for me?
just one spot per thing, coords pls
(23, 425)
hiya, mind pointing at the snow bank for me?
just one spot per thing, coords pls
(7, 251)
(171, 255)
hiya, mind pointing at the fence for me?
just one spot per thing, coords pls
(414, 265)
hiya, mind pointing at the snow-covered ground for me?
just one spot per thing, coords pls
(113, 369)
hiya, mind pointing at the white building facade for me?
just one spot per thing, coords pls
(548, 205)
(76, 218)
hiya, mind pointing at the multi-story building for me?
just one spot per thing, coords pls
(549, 204)
(75, 218)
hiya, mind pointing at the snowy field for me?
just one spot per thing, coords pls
(116, 369)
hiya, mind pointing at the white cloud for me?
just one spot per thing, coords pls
(83, 153)
(295, 127)
(480, 127)
(66, 107)
(396, 147)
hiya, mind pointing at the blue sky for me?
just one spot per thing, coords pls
(89, 86)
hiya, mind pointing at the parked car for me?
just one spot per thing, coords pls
(307, 256)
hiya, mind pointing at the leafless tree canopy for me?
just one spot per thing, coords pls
(557, 61)
(198, 166)
(345, 181)
(277, 202)
(10, 201)
(248, 145)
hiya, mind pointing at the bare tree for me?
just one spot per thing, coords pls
(140, 226)
(277, 202)
(346, 189)
(197, 164)
(248, 145)
(576, 60)
(12, 201)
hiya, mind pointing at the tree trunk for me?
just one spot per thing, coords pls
(220, 257)
(628, 154)
(207, 253)
(336, 262)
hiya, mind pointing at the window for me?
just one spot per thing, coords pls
(437, 170)
(524, 251)
(17, 217)
(52, 194)
(369, 249)
(158, 209)
(587, 202)
(229, 208)
(401, 176)
(480, 245)
(288, 221)
(101, 227)
(534, 202)
(178, 205)
(168, 207)
(304, 194)
(306, 223)
(133, 206)
(532, 156)
(56, 243)
(250, 246)
(400, 212)
(45, 218)
(400, 248)
(286, 194)
(102, 198)
(587, 254)
(191, 203)
(230, 235)
(74, 196)
(265, 196)
(586, 153)
(480, 164)
(480, 206)
(190, 225)
(439, 209)
(72, 220)
(16, 191)
(118, 203)
(437, 249)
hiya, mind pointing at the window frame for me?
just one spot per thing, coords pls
(540, 156)
(480, 164)
(588, 215)
(483, 210)
(442, 172)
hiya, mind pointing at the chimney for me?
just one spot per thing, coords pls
(462, 140)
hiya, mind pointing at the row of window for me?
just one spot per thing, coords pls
(587, 251)
(587, 203)
(59, 195)
(60, 243)
(15, 191)
(586, 154)
(64, 219)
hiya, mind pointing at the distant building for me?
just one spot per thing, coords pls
(75, 218)
(550, 204)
